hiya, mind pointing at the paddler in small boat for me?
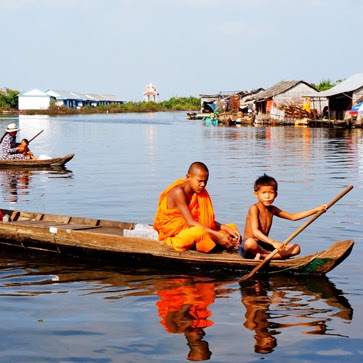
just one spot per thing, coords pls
(256, 243)
(11, 150)
(26, 151)
(185, 217)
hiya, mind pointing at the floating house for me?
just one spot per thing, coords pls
(36, 99)
(341, 98)
(272, 102)
(230, 101)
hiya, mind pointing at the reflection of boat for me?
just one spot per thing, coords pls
(35, 163)
(14, 183)
(88, 237)
(273, 305)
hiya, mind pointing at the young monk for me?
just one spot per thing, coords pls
(185, 217)
(256, 243)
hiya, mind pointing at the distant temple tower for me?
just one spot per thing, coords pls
(150, 94)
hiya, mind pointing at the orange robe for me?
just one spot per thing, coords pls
(185, 305)
(173, 228)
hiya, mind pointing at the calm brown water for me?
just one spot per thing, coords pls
(55, 310)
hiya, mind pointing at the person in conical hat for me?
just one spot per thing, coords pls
(11, 150)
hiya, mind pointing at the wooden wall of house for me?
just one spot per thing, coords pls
(295, 94)
(357, 95)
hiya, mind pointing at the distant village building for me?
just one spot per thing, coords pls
(274, 102)
(230, 101)
(340, 99)
(150, 94)
(36, 99)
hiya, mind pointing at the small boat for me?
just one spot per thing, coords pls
(191, 115)
(212, 119)
(201, 115)
(97, 239)
(35, 163)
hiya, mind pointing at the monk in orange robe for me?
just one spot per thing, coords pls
(185, 217)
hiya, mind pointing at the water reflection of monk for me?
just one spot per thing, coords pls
(183, 309)
(257, 302)
(14, 183)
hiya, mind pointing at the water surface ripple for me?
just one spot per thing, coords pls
(63, 310)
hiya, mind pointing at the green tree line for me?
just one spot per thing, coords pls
(8, 99)
(173, 104)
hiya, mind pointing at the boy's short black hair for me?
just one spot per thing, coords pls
(265, 180)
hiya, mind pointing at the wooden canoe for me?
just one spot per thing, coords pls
(104, 239)
(35, 163)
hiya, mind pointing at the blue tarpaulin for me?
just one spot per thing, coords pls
(355, 109)
(212, 106)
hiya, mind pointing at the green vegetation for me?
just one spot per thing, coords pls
(8, 99)
(325, 84)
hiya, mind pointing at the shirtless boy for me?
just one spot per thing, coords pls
(256, 243)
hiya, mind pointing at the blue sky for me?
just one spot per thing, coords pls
(185, 47)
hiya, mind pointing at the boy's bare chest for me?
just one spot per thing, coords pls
(265, 220)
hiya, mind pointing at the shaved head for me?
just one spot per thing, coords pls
(196, 167)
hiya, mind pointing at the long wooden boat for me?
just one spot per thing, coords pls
(35, 163)
(104, 239)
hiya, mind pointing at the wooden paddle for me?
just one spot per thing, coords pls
(315, 216)
(35, 136)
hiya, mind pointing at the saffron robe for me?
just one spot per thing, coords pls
(173, 229)
(183, 305)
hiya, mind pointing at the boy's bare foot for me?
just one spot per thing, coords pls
(257, 257)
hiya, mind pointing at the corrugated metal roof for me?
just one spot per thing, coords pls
(226, 94)
(79, 96)
(72, 95)
(103, 97)
(62, 95)
(350, 84)
(279, 88)
(223, 94)
(110, 97)
(33, 92)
